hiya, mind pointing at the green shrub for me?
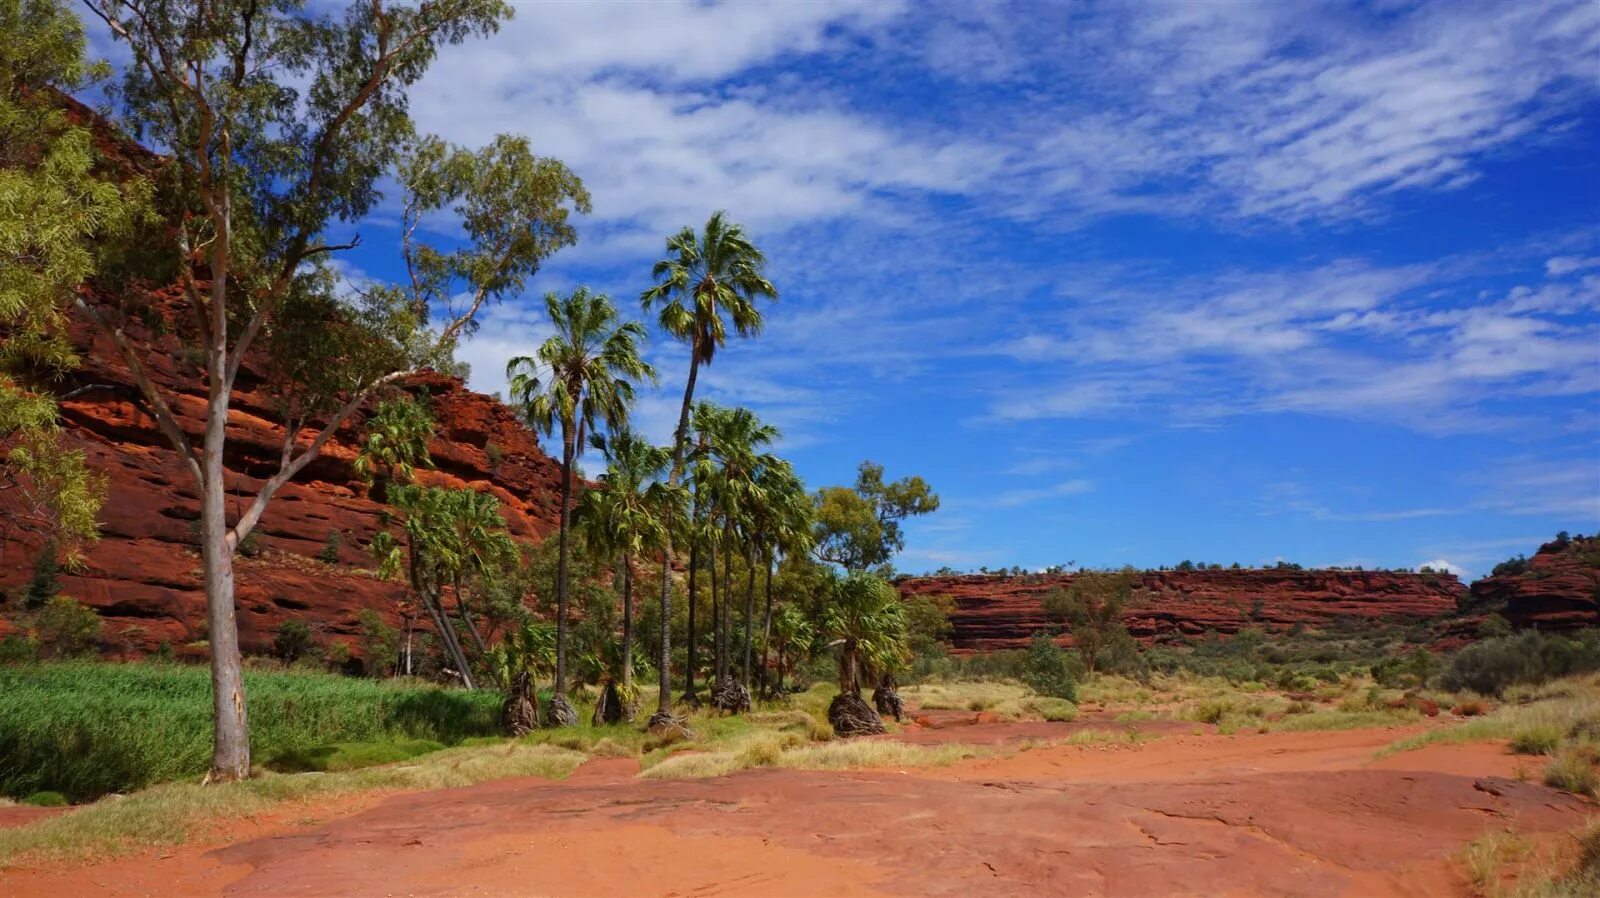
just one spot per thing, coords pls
(1490, 666)
(85, 729)
(17, 648)
(46, 799)
(66, 629)
(1048, 670)
(329, 554)
(45, 583)
(293, 641)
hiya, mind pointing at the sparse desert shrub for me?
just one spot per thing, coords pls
(329, 554)
(1572, 770)
(1538, 739)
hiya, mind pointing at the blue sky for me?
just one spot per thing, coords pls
(1128, 283)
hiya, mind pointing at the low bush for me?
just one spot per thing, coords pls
(1049, 671)
(86, 729)
(1491, 666)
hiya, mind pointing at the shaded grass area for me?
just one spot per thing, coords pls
(178, 812)
(86, 729)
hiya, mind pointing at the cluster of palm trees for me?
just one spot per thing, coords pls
(717, 495)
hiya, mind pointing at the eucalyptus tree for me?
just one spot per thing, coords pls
(281, 122)
(581, 375)
(59, 209)
(628, 512)
(703, 278)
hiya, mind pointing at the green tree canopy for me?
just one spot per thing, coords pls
(859, 527)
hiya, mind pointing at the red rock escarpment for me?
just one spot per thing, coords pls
(1559, 590)
(995, 612)
(143, 576)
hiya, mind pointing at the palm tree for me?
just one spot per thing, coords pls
(482, 545)
(628, 513)
(734, 436)
(866, 621)
(703, 278)
(398, 433)
(582, 373)
(784, 525)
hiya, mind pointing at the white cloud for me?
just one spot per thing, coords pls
(1014, 498)
(1440, 564)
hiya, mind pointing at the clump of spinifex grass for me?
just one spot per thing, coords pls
(178, 812)
(86, 729)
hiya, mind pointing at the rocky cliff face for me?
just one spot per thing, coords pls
(1002, 612)
(1558, 588)
(143, 576)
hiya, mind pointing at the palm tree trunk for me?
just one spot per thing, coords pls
(727, 601)
(716, 622)
(627, 628)
(749, 610)
(679, 439)
(688, 673)
(766, 630)
(561, 558)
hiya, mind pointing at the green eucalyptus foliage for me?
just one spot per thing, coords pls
(58, 202)
(859, 527)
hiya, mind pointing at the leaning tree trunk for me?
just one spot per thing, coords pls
(230, 747)
(466, 617)
(426, 591)
(560, 711)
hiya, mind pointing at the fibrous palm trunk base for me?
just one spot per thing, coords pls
(669, 726)
(560, 713)
(850, 715)
(608, 709)
(731, 697)
(886, 698)
(519, 715)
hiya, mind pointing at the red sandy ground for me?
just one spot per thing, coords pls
(1284, 814)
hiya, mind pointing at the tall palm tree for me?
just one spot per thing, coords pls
(784, 527)
(583, 373)
(703, 278)
(629, 512)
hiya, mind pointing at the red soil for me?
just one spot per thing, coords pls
(1287, 814)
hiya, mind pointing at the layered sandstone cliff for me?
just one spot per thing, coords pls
(995, 612)
(1557, 589)
(143, 575)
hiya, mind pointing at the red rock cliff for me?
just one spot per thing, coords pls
(1003, 612)
(143, 575)
(1558, 589)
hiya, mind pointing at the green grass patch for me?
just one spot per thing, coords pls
(174, 813)
(343, 756)
(86, 729)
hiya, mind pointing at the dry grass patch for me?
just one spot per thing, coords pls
(1504, 864)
